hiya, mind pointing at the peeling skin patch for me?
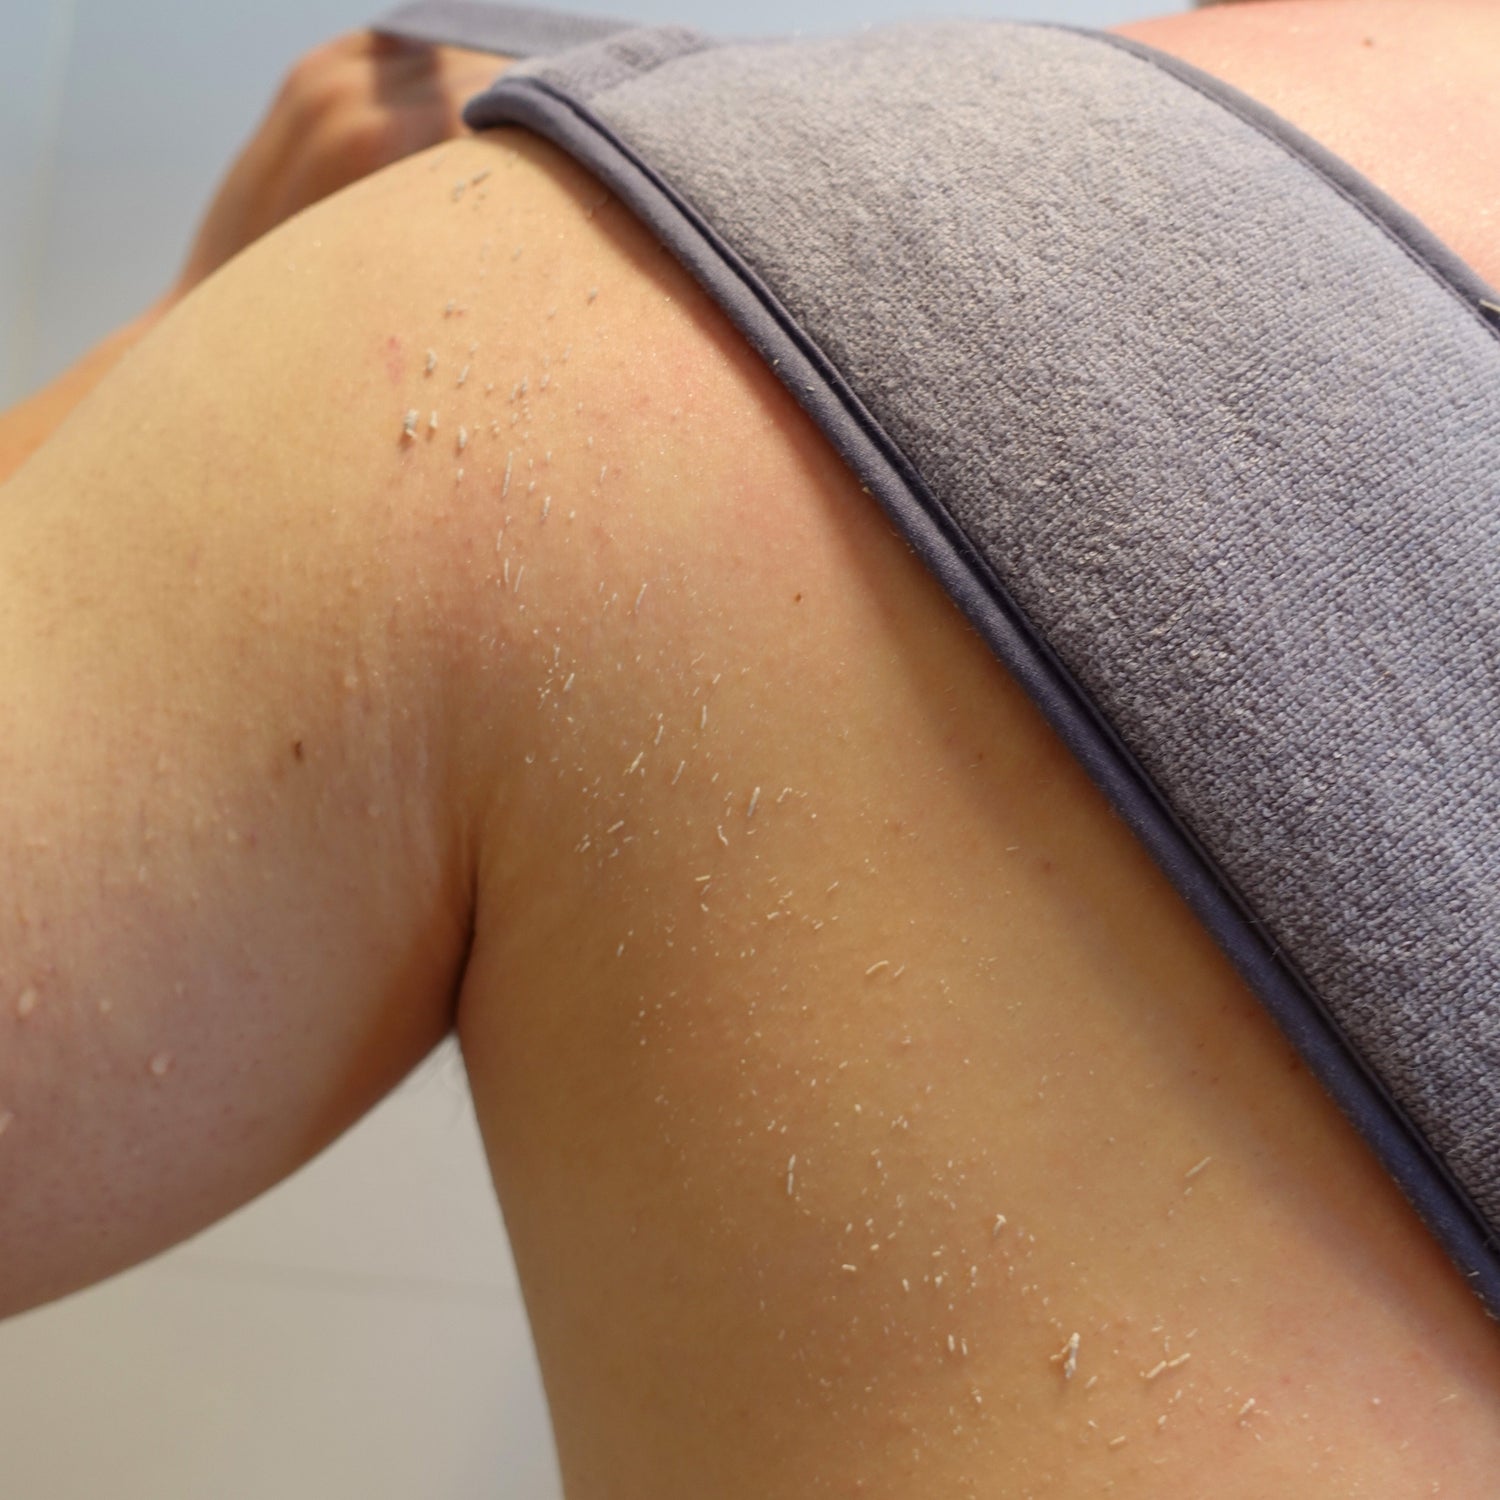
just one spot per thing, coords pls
(161, 1064)
(26, 1003)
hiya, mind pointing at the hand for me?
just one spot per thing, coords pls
(345, 110)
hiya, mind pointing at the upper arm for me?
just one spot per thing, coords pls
(235, 880)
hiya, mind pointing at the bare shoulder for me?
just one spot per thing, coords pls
(819, 1009)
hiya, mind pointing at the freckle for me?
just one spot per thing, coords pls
(161, 1064)
(27, 1003)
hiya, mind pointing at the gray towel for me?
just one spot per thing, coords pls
(1204, 434)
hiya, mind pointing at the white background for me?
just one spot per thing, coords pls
(357, 1334)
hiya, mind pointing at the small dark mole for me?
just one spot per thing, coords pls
(297, 749)
(797, 599)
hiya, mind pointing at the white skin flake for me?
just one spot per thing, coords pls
(161, 1064)
(26, 1003)
(431, 362)
(791, 1168)
(463, 374)
(505, 483)
(409, 425)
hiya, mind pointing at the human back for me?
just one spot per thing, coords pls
(796, 955)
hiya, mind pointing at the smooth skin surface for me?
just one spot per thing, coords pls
(609, 722)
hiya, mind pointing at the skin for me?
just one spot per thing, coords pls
(393, 784)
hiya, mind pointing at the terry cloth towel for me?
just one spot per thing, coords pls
(1202, 432)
